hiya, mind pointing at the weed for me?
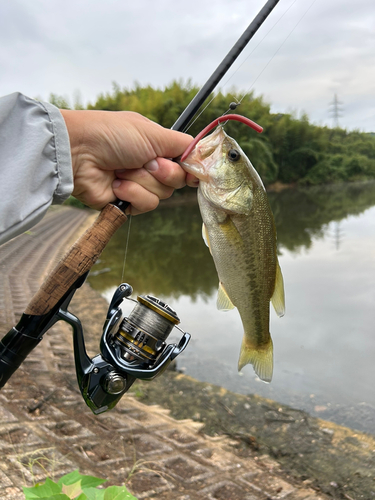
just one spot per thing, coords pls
(76, 486)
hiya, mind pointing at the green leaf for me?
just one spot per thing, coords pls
(70, 478)
(86, 481)
(82, 497)
(118, 493)
(44, 490)
(94, 494)
(58, 496)
(72, 490)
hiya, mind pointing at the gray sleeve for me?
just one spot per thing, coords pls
(35, 162)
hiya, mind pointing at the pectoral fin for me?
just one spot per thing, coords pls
(205, 237)
(223, 302)
(261, 358)
(278, 297)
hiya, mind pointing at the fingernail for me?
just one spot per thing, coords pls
(152, 166)
(116, 183)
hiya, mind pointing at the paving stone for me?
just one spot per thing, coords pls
(66, 430)
(14, 436)
(225, 490)
(4, 482)
(141, 481)
(269, 484)
(12, 494)
(6, 416)
(180, 439)
(185, 469)
(44, 412)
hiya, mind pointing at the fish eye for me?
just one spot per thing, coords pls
(234, 155)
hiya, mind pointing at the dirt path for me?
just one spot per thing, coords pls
(46, 429)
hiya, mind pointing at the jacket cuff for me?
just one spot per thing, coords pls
(63, 156)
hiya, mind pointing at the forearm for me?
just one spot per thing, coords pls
(35, 162)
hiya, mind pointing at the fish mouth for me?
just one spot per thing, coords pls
(209, 144)
(204, 155)
(195, 171)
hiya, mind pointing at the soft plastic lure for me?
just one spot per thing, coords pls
(215, 123)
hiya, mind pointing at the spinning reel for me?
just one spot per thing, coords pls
(131, 347)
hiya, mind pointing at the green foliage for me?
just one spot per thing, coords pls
(59, 101)
(289, 150)
(78, 487)
(265, 164)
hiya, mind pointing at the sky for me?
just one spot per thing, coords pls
(305, 53)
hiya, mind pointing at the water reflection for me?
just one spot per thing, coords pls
(166, 255)
(302, 215)
(324, 346)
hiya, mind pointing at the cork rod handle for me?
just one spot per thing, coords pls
(77, 261)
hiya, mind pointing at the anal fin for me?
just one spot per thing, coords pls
(223, 302)
(278, 297)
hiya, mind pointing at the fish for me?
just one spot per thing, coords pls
(239, 230)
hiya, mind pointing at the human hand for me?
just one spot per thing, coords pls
(124, 155)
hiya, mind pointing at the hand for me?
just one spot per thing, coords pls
(124, 155)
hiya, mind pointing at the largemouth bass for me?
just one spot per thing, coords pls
(239, 229)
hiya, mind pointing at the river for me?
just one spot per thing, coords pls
(324, 347)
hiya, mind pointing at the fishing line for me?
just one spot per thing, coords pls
(282, 43)
(256, 46)
(126, 247)
(253, 83)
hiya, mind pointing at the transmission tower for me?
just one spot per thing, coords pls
(335, 110)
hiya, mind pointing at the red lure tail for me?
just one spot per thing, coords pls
(214, 124)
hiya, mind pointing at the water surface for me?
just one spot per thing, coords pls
(324, 347)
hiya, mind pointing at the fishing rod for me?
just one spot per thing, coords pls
(132, 347)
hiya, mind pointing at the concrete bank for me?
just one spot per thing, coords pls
(198, 442)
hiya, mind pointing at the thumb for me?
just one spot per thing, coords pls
(170, 143)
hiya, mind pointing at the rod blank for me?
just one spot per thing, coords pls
(223, 67)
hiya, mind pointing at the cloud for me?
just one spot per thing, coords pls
(308, 50)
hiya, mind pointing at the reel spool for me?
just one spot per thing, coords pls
(143, 333)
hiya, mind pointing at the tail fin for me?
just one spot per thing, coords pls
(261, 358)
